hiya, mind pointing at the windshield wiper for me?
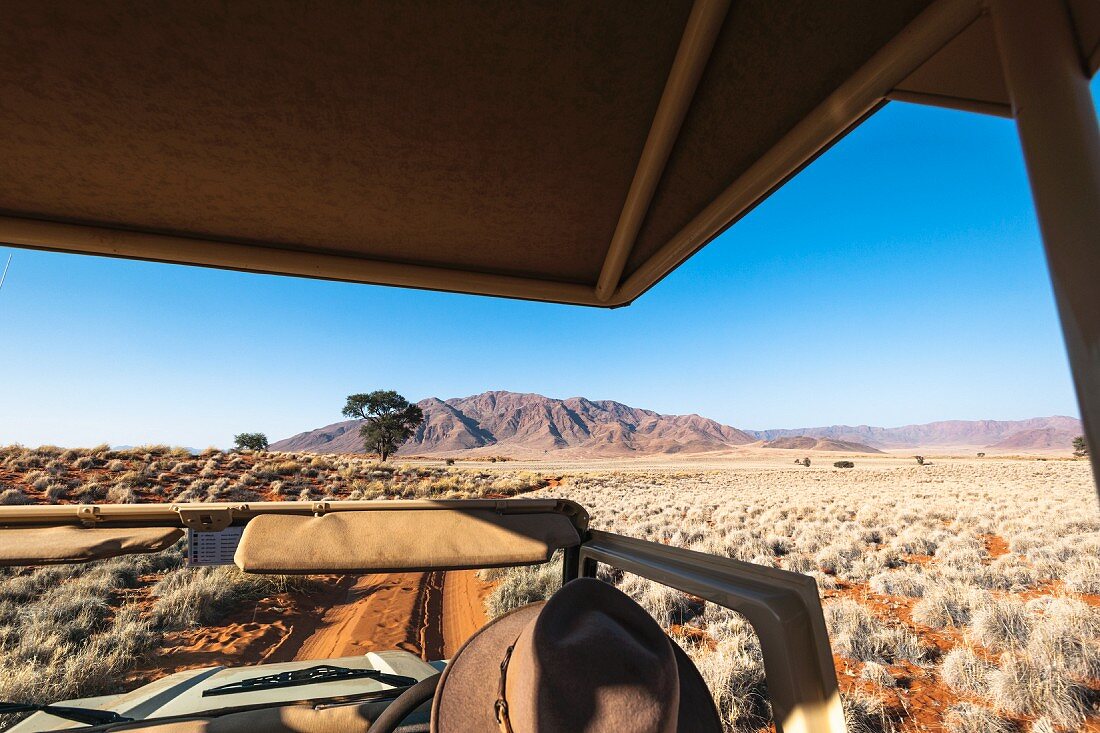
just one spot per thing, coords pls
(308, 676)
(88, 716)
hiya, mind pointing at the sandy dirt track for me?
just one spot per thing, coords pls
(427, 614)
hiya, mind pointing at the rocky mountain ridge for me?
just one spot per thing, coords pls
(531, 425)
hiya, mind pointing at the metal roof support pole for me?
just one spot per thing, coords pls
(842, 110)
(1047, 81)
(687, 69)
(940, 100)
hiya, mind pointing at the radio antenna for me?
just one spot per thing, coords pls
(4, 275)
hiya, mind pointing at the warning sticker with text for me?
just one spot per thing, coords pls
(213, 548)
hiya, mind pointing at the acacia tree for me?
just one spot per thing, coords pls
(1080, 446)
(389, 420)
(251, 441)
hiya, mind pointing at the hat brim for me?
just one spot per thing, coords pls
(467, 693)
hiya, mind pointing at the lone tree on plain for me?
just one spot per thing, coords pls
(251, 441)
(1080, 447)
(389, 420)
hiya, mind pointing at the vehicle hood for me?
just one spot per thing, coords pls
(181, 693)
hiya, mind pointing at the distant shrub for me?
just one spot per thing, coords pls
(251, 441)
(450, 461)
(121, 495)
(155, 449)
(981, 455)
(920, 460)
(55, 492)
(13, 497)
(844, 464)
(287, 468)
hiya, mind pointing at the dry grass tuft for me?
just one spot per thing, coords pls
(1000, 625)
(965, 671)
(1022, 686)
(857, 634)
(969, 718)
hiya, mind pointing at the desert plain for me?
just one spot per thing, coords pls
(960, 595)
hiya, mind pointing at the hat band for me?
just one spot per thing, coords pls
(500, 708)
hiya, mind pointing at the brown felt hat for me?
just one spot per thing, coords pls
(588, 660)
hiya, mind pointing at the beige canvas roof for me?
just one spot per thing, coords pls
(573, 152)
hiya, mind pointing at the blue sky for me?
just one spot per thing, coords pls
(899, 279)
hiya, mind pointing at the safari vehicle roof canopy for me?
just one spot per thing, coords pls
(573, 152)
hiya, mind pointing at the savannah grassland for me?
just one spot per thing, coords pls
(962, 595)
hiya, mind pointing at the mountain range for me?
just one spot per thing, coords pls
(530, 425)
(1037, 433)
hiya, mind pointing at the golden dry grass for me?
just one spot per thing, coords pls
(71, 631)
(960, 595)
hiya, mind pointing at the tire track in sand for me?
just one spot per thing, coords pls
(427, 614)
